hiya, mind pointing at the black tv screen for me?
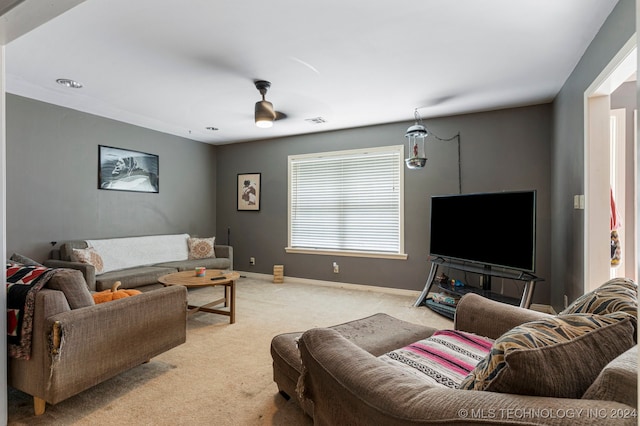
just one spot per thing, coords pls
(497, 229)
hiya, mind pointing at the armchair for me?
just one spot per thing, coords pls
(74, 348)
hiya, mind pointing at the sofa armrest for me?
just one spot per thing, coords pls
(50, 302)
(88, 271)
(486, 317)
(225, 251)
(618, 380)
(98, 342)
(30, 375)
(350, 386)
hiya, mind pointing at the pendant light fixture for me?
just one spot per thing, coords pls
(264, 112)
(415, 136)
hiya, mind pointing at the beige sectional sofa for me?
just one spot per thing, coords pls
(137, 262)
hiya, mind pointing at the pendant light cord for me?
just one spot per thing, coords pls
(418, 119)
(456, 136)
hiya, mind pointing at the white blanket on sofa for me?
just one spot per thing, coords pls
(120, 253)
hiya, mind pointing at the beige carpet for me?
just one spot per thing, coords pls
(222, 375)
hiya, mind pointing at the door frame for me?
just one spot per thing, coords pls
(596, 163)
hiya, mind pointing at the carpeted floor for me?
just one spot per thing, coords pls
(222, 375)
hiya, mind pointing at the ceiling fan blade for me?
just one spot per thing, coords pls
(280, 115)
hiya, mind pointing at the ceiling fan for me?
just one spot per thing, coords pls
(265, 115)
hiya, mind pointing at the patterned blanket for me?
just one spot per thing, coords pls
(23, 283)
(443, 359)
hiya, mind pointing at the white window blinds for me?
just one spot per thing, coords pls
(347, 201)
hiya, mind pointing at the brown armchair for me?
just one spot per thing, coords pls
(74, 348)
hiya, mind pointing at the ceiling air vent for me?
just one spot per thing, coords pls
(316, 120)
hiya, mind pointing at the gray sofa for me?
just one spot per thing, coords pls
(341, 379)
(143, 276)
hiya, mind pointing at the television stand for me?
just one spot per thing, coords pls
(486, 273)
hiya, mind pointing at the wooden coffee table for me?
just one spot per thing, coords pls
(189, 280)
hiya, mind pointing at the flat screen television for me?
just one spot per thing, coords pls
(492, 229)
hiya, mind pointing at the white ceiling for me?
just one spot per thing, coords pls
(178, 66)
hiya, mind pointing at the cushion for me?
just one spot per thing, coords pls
(558, 357)
(201, 248)
(71, 282)
(133, 277)
(443, 359)
(616, 295)
(618, 381)
(24, 260)
(89, 256)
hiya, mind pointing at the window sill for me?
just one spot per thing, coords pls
(369, 254)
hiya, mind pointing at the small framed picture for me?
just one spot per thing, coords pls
(249, 191)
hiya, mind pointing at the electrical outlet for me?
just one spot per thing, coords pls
(252, 261)
(336, 268)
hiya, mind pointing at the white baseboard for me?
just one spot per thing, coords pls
(349, 286)
(398, 291)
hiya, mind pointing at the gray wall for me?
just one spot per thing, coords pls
(567, 270)
(52, 195)
(501, 150)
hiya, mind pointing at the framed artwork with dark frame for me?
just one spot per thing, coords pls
(127, 170)
(249, 191)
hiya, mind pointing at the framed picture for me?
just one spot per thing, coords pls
(249, 191)
(127, 170)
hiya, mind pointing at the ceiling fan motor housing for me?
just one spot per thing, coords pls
(264, 112)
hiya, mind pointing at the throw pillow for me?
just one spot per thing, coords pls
(616, 295)
(443, 359)
(89, 256)
(71, 282)
(557, 357)
(24, 260)
(201, 248)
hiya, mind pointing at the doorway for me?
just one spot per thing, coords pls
(610, 176)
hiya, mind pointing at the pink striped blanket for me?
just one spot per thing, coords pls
(444, 359)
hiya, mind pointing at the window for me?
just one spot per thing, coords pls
(347, 203)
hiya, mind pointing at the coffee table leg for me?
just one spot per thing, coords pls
(232, 302)
(228, 301)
